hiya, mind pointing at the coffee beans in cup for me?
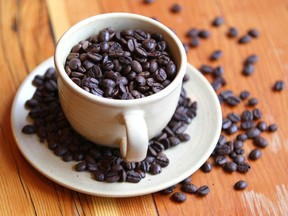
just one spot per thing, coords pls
(124, 64)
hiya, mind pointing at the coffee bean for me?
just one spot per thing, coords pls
(206, 167)
(240, 185)
(233, 101)
(203, 190)
(230, 167)
(220, 160)
(189, 188)
(234, 117)
(223, 149)
(194, 41)
(218, 21)
(192, 32)
(243, 167)
(248, 69)
(176, 8)
(239, 159)
(247, 115)
(216, 55)
(272, 127)
(218, 71)
(257, 114)
(244, 39)
(254, 33)
(241, 137)
(262, 126)
(204, 34)
(81, 166)
(29, 129)
(206, 69)
(168, 190)
(232, 32)
(226, 123)
(260, 142)
(155, 169)
(279, 85)
(232, 129)
(178, 197)
(255, 154)
(252, 101)
(251, 59)
(133, 177)
(148, 1)
(253, 132)
(186, 181)
(238, 144)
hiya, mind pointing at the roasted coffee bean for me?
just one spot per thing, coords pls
(204, 34)
(257, 114)
(260, 142)
(155, 169)
(244, 94)
(244, 39)
(194, 41)
(223, 149)
(253, 132)
(189, 188)
(218, 71)
(279, 85)
(112, 177)
(241, 137)
(245, 125)
(262, 126)
(255, 154)
(133, 177)
(217, 83)
(203, 190)
(174, 141)
(206, 167)
(206, 69)
(99, 176)
(238, 159)
(233, 100)
(251, 59)
(184, 137)
(247, 115)
(162, 159)
(29, 129)
(192, 32)
(230, 167)
(216, 55)
(176, 8)
(248, 69)
(272, 127)
(221, 140)
(238, 144)
(220, 160)
(186, 181)
(232, 32)
(168, 190)
(226, 123)
(234, 117)
(240, 185)
(81, 166)
(243, 167)
(254, 33)
(218, 21)
(232, 129)
(178, 197)
(252, 101)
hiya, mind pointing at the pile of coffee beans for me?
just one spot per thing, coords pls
(125, 64)
(106, 164)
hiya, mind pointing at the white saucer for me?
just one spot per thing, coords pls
(185, 159)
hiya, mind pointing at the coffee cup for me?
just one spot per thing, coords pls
(125, 124)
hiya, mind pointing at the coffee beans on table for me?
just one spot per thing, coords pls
(126, 64)
(240, 185)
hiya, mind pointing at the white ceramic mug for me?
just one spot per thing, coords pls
(128, 124)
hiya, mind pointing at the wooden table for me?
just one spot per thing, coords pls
(29, 31)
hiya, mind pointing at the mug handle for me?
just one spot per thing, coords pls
(134, 146)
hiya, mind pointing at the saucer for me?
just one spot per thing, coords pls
(185, 158)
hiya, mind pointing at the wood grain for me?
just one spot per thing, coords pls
(28, 32)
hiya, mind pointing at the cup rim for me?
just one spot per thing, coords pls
(118, 102)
